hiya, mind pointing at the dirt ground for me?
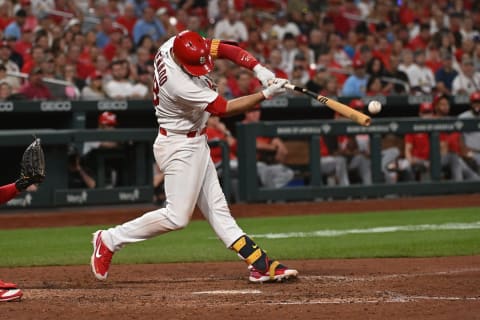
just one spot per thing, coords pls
(420, 288)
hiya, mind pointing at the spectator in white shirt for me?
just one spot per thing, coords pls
(231, 28)
(283, 26)
(120, 87)
(289, 51)
(467, 31)
(420, 78)
(468, 80)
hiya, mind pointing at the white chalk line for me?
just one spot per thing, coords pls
(390, 297)
(390, 276)
(363, 300)
(337, 233)
(228, 292)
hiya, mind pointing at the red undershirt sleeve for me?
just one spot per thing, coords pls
(217, 107)
(221, 50)
(8, 192)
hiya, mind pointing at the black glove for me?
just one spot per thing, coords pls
(32, 167)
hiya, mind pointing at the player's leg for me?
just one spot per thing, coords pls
(214, 207)
(335, 165)
(452, 161)
(182, 186)
(362, 165)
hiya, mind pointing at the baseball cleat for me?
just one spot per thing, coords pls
(10, 295)
(9, 291)
(276, 273)
(101, 257)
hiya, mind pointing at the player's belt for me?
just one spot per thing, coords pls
(190, 134)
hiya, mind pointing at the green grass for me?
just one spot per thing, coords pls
(71, 246)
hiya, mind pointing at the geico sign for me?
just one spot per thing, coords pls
(56, 106)
(112, 105)
(6, 106)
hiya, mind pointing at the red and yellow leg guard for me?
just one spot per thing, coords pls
(251, 253)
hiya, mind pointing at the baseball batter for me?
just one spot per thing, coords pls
(184, 98)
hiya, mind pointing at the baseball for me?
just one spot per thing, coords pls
(374, 107)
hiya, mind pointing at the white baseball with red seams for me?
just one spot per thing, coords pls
(374, 107)
(190, 175)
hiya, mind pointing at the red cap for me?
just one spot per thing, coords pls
(475, 96)
(25, 2)
(357, 104)
(302, 39)
(107, 118)
(116, 28)
(4, 43)
(96, 75)
(426, 107)
(27, 28)
(358, 63)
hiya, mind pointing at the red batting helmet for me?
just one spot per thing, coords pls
(191, 50)
(475, 96)
(107, 118)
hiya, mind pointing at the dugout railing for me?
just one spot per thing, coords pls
(60, 123)
(251, 191)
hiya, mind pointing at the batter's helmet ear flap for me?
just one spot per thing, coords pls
(192, 52)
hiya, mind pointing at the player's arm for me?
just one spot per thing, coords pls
(223, 108)
(8, 192)
(229, 50)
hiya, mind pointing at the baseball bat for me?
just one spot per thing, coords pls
(344, 110)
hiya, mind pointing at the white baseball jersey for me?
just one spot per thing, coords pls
(180, 99)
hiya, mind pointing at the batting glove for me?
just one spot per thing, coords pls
(263, 74)
(276, 87)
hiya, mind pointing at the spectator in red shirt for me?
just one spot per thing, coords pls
(115, 38)
(73, 57)
(24, 45)
(35, 89)
(245, 84)
(5, 17)
(423, 38)
(128, 18)
(274, 62)
(326, 59)
(36, 59)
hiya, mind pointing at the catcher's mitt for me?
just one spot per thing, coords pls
(32, 167)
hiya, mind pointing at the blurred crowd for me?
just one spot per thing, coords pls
(94, 50)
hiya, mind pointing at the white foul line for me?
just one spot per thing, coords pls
(337, 233)
(229, 292)
(392, 299)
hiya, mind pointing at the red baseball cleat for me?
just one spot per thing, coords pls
(9, 292)
(276, 273)
(101, 257)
